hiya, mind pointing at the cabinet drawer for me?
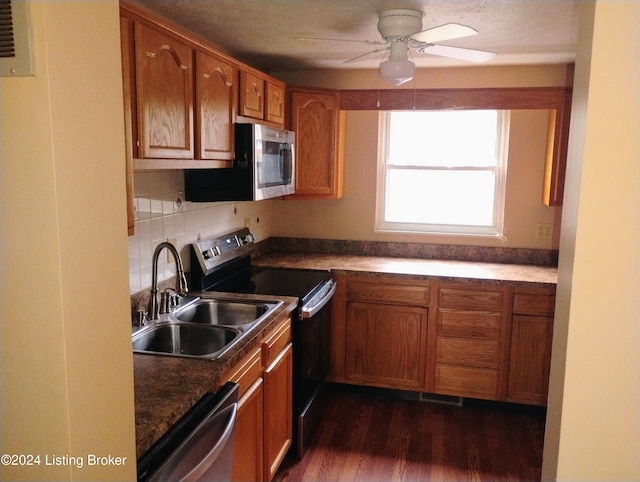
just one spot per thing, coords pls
(470, 299)
(469, 352)
(276, 342)
(481, 324)
(529, 304)
(247, 371)
(391, 293)
(466, 381)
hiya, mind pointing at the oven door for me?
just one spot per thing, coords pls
(312, 338)
(314, 342)
(311, 352)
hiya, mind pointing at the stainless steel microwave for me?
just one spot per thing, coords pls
(263, 168)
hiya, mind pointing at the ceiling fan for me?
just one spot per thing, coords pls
(401, 30)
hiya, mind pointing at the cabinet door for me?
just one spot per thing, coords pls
(251, 95)
(278, 415)
(386, 345)
(530, 359)
(318, 123)
(164, 89)
(247, 454)
(275, 103)
(215, 102)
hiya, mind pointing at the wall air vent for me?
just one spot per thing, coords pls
(15, 39)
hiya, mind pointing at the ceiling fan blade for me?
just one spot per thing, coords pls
(360, 57)
(447, 31)
(457, 53)
(368, 42)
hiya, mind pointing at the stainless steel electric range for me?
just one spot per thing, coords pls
(223, 263)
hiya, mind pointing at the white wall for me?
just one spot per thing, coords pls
(66, 361)
(353, 216)
(593, 417)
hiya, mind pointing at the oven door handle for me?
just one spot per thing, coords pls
(308, 312)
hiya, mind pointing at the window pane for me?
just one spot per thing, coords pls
(443, 138)
(440, 197)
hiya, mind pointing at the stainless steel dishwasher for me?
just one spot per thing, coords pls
(199, 446)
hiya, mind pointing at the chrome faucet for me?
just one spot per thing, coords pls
(181, 280)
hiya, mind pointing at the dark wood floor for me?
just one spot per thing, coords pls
(371, 435)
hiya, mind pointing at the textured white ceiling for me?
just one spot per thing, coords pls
(259, 31)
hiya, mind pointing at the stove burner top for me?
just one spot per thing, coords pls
(224, 264)
(288, 282)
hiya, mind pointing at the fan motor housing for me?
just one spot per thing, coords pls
(399, 23)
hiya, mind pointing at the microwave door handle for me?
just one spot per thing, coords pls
(285, 163)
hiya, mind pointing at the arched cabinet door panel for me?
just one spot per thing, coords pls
(164, 91)
(319, 126)
(215, 102)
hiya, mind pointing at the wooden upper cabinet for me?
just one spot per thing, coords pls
(275, 103)
(164, 91)
(126, 45)
(319, 126)
(556, 156)
(215, 107)
(251, 95)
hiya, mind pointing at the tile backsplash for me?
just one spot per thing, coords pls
(163, 214)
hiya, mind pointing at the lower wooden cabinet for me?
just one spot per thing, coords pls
(265, 412)
(530, 359)
(530, 351)
(248, 444)
(379, 332)
(386, 344)
(471, 335)
(278, 414)
(277, 358)
(248, 454)
(470, 338)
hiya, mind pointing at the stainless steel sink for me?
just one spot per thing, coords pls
(204, 327)
(185, 339)
(223, 312)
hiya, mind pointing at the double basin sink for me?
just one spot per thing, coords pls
(203, 327)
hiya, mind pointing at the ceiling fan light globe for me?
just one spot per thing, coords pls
(397, 71)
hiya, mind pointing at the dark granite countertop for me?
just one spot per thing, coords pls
(166, 387)
(414, 267)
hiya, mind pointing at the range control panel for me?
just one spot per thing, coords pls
(214, 251)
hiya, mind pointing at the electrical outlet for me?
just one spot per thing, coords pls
(247, 223)
(169, 255)
(544, 231)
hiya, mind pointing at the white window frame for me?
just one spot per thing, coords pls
(496, 229)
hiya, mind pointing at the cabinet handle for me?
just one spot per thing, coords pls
(256, 90)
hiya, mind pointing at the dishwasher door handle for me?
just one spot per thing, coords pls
(194, 457)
